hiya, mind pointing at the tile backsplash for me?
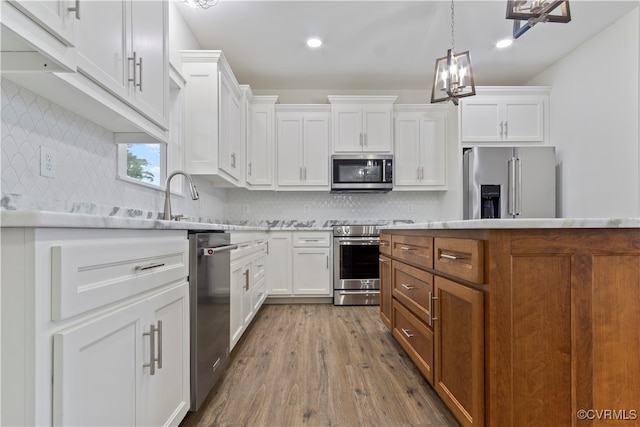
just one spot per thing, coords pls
(86, 168)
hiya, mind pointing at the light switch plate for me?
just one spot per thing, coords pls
(47, 162)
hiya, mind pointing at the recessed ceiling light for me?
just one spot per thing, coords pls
(504, 43)
(314, 42)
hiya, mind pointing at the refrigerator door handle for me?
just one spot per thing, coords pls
(511, 183)
(519, 186)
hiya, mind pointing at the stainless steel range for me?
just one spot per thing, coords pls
(356, 276)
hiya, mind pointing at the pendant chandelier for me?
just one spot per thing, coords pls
(453, 77)
(202, 4)
(535, 11)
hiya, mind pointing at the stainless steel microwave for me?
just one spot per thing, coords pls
(361, 173)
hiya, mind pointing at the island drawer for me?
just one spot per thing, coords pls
(463, 258)
(385, 244)
(415, 338)
(413, 249)
(413, 288)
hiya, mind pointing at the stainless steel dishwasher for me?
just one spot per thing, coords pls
(209, 283)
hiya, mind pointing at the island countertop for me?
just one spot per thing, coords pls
(521, 223)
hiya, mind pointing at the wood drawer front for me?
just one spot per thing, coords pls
(385, 244)
(89, 275)
(415, 338)
(415, 249)
(463, 258)
(413, 288)
(312, 240)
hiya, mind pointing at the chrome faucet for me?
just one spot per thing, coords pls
(167, 192)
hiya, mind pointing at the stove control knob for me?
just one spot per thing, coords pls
(347, 230)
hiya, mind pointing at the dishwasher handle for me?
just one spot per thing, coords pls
(216, 250)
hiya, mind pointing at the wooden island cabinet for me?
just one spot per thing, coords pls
(522, 327)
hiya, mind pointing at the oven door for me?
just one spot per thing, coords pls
(356, 263)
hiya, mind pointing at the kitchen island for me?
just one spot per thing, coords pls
(520, 322)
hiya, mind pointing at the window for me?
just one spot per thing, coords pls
(141, 159)
(144, 160)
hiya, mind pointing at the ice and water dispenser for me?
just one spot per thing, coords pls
(490, 197)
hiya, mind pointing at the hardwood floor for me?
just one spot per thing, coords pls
(320, 365)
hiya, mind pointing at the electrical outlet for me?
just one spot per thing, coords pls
(245, 209)
(47, 162)
(409, 207)
(306, 209)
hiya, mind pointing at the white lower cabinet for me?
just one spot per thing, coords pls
(129, 367)
(299, 264)
(95, 327)
(247, 281)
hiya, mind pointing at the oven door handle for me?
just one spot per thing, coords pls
(361, 241)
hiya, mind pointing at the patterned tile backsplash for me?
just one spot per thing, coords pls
(85, 181)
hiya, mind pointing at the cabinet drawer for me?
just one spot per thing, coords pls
(413, 288)
(385, 244)
(312, 240)
(414, 249)
(415, 338)
(463, 258)
(85, 276)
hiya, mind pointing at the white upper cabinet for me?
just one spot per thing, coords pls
(123, 46)
(362, 123)
(505, 114)
(420, 147)
(302, 148)
(38, 35)
(213, 118)
(260, 142)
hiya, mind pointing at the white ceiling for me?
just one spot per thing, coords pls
(373, 45)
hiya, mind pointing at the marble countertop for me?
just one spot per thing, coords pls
(48, 219)
(523, 223)
(51, 219)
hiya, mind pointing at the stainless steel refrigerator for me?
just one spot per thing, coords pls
(509, 182)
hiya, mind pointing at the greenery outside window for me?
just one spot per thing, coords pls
(141, 159)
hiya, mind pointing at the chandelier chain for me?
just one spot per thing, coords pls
(452, 27)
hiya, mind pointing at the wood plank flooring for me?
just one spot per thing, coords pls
(320, 365)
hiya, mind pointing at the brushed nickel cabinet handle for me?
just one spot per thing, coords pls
(149, 266)
(448, 256)
(406, 248)
(152, 350)
(382, 260)
(432, 307)
(249, 167)
(407, 287)
(139, 85)
(407, 333)
(159, 332)
(75, 9)
(133, 58)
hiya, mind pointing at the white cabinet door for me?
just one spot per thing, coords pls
(311, 271)
(480, 120)
(278, 267)
(230, 128)
(97, 370)
(523, 120)
(260, 147)
(53, 15)
(406, 171)
(104, 46)
(148, 41)
(290, 149)
(316, 150)
(167, 396)
(240, 271)
(420, 150)
(377, 135)
(347, 128)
